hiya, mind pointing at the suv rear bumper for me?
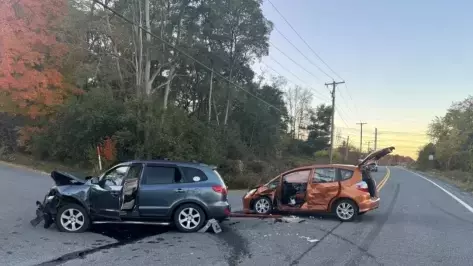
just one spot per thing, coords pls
(219, 211)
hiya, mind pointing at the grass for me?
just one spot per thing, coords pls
(26, 161)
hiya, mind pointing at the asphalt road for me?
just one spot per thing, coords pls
(416, 224)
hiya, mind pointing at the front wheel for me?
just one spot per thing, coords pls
(263, 205)
(346, 210)
(72, 218)
(189, 218)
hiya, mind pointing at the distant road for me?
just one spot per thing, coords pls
(417, 224)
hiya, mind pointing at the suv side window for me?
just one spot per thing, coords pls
(345, 174)
(115, 176)
(134, 172)
(192, 175)
(161, 175)
(324, 175)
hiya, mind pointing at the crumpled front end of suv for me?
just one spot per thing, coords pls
(67, 188)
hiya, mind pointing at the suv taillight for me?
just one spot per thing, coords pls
(220, 189)
(363, 186)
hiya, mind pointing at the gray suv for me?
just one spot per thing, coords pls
(160, 192)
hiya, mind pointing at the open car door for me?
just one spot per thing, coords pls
(375, 156)
(129, 193)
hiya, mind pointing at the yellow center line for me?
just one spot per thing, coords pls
(385, 179)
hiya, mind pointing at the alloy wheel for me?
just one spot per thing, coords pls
(189, 218)
(72, 219)
(345, 211)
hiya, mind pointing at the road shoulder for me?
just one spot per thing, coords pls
(448, 183)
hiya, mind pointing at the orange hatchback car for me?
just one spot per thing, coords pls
(343, 190)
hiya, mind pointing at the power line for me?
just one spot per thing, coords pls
(308, 59)
(310, 48)
(343, 98)
(351, 98)
(321, 96)
(184, 53)
(310, 73)
(277, 10)
(290, 72)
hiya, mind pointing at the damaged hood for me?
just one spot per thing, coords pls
(64, 178)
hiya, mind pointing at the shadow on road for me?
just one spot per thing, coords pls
(127, 233)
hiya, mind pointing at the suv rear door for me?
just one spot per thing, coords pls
(159, 189)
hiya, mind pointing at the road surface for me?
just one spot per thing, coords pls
(417, 224)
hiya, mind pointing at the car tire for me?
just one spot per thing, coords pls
(263, 205)
(189, 218)
(72, 218)
(346, 210)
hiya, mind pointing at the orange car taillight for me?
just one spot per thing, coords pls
(220, 189)
(363, 186)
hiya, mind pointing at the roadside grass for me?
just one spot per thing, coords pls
(46, 167)
(461, 179)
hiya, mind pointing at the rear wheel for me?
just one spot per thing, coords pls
(189, 218)
(346, 210)
(263, 205)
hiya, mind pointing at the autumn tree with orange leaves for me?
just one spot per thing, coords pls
(30, 61)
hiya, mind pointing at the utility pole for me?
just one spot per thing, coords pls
(210, 94)
(361, 135)
(369, 142)
(375, 138)
(346, 148)
(334, 85)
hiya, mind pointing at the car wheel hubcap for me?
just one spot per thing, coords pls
(345, 211)
(262, 206)
(72, 219)
(189, 218)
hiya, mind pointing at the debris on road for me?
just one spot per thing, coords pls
(211, 223)
(311, 240)
(290, 219)
(251, 215)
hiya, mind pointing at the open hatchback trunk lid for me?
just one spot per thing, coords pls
(376, 155)
(64, 178)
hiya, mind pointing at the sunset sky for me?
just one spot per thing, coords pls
(404, 62)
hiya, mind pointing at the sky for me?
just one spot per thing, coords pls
(404, 62)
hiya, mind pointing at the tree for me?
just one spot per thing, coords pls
(319, 127)
(30, 78)
(452, 137)
(31, 83)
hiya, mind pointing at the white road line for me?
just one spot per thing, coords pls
(468, 207)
